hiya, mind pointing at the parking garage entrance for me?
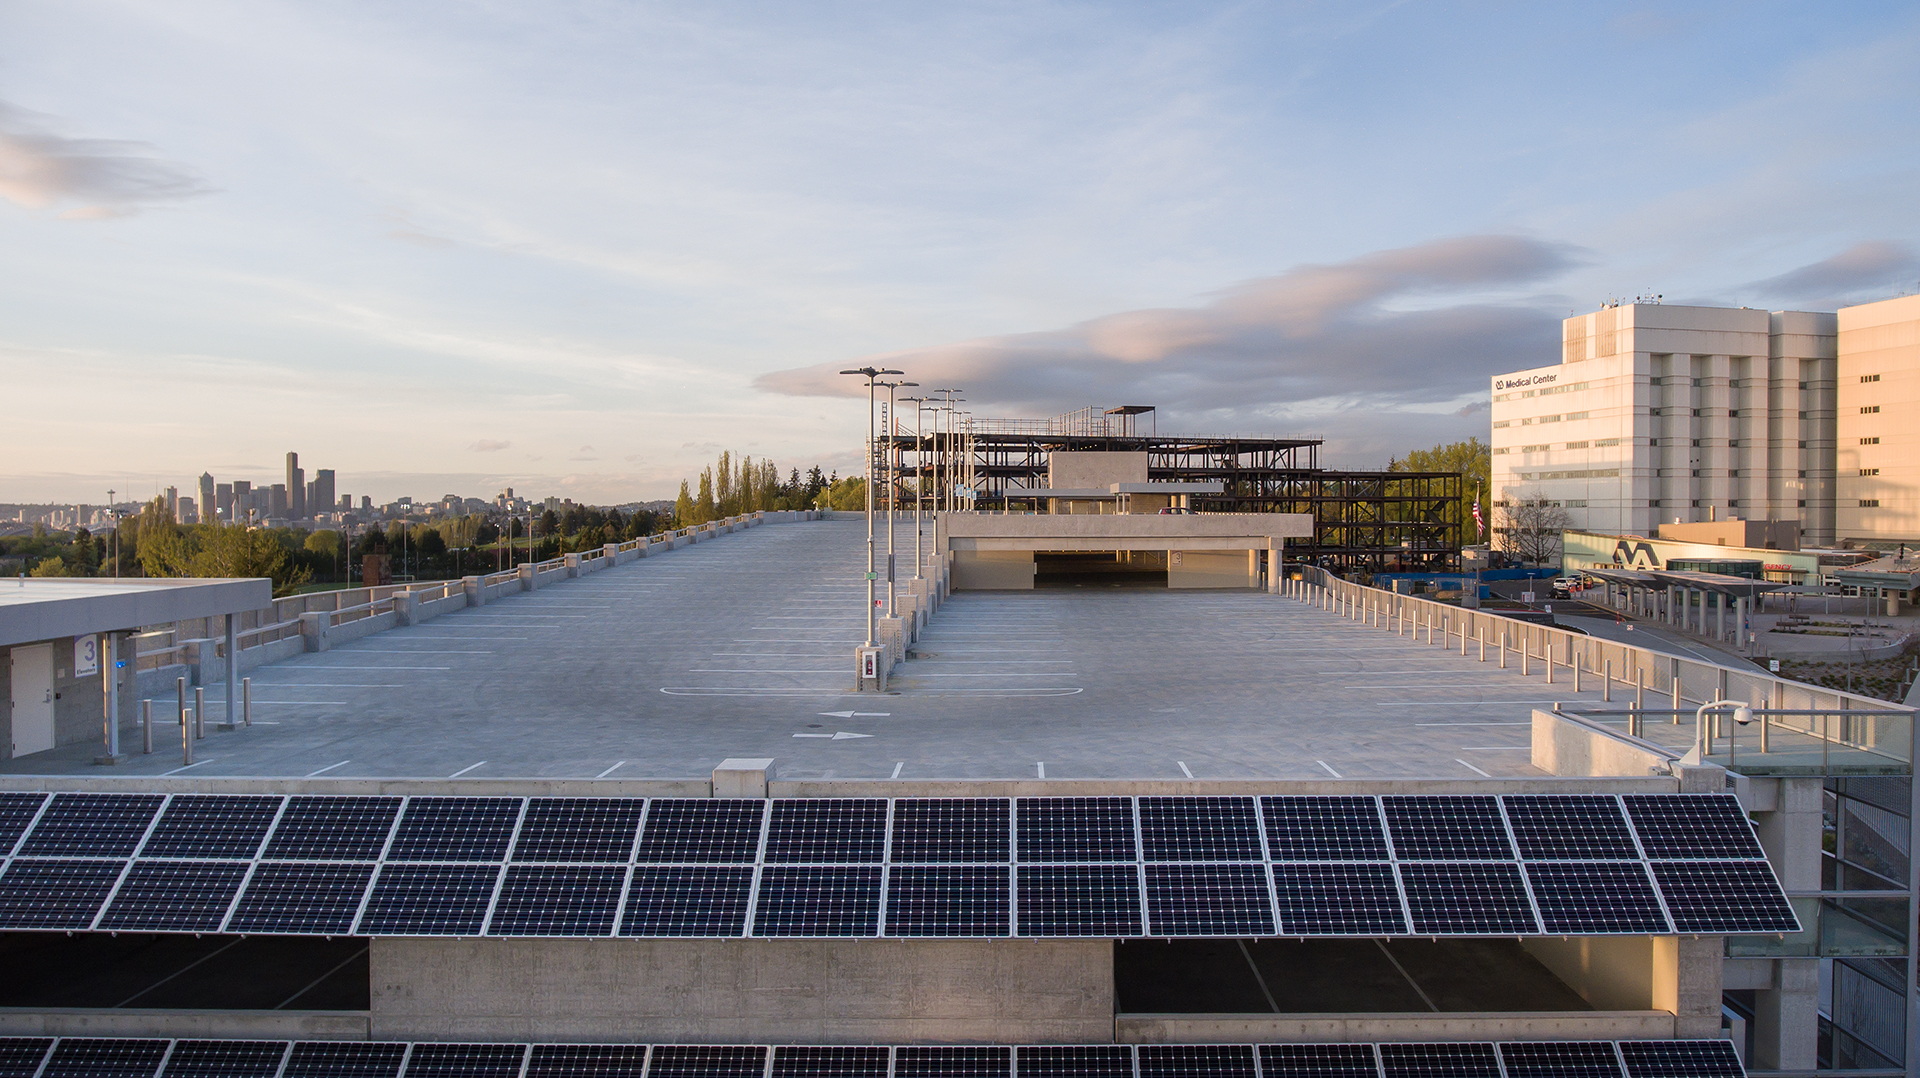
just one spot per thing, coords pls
(1100, 569)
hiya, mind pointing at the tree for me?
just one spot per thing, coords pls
(324, 543)
(847, 494)
(704, 508)
(372, 541)
(85, 555)
(1473, 459)
(1528, 526)
(549, 524)
(683, 507)
(54, 566)
(429, 543)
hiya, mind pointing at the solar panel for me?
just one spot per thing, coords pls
(1196, 1061)
(225, 1059)
(55, 894)
(174, 896)
(1681, 1059)
(1075, 829)
(104, 1057)
(818, 900)
(20, 1056)
(587, 1061)
(579, 829)
(936, 829)
(1074, 1061)
(558, 900)
(953, 1061)
(828, 830)
(1560, 1059)
(1700, 826)
(429, 900)
(332, 829)
(1723, 897)
(1569, 827)
(1324, 829)
(1596, 898)
(707, 1061)
(466, 1060)
(1467, 900)
(1079, 900)
(713, 830)
(1199, 829)
(851, 1061)
(1464, 1060)
(345, 1059)
(455, 829)
(297, 898)
(209, 826)
(687, 900)
(16, 812)
(1208, 900)
(948, 900)
(1338, 900)
(1318, 1061)
(1447, 828)
(91, 825)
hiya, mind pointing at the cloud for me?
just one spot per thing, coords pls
(1834, 282)
(489, 445)
(111, 178)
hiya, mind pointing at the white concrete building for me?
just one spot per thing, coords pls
(1657, 413)
(1878, 397)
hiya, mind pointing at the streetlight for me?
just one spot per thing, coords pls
(870, 373)
(893, 474)
(114, 522)
(919, 484)
(940, 498)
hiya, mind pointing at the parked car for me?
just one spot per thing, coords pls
(1565, 585)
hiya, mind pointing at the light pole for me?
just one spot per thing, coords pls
(941, 501)
(870, 373)
(893, 475)
(919, 484)
(114, 522)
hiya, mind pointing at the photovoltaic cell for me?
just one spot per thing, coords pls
(104, 1057)
(587, 1061)
(1074, 1061)
(1079, 900)
(174, 896)
(212, 826)
(851, 1061)
(91, 825)
(1465, 1060)
(1560, 1059)
(1467, 900)
(224, 1059)
(951, 829)
(1060, 829)
(1208, 900)
(828, 830)
(1196, 1061)
(16, 812)
(558, 900)
(1338, 900)
(1702, 826)
(1447, 828)
(1723, 897)
(1681, 1059)
(298, 898)
(948, 900)
(20, 1056)
(707, 1061)
(455, 829)
(1596, 898)
(818, 900)
(1569, 827)
(579, 829)
(466, 1060)
(55, 894)
(953, 1061)
(687, 900)
(1199, 829)
(332, 829)
(1318, 1061)
(429, 900)
(345, 1059)
(1324, 829)
(710, 830)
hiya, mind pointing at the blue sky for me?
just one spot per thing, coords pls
(579, 248)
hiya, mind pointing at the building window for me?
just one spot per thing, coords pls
(1498, 397)
(1696, 443)
(1733, 443)
(1733, 413)
(1869, 378)
(1576, 505)
(1598, 442)
(1654, 504)
(1803, 473)
(1803, 415)
(1869, 409)
(1696, 504)
(1533, 449)
(1803, 385)
(1869, 471)
(1869, 503)
(1733, 474)
(1653, 411)
(1869, 441)
(1577, 415)
(1576, 445)
(1803, 503)
(1733, 504)
(1502, 449)
(1502, 423)
(1696, 411)
(1696, 475)
(1550, 419)
(1803, 444)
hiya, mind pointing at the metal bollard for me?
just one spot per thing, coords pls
(180, 690)
(1578, 662)
(1483, 643)
(1546, 652)
(186, 737)
(1503, 647)
(199, 712)
(1676, 701)
(246, 701)
(1606, 686)
(146, 726)
(1526, 656)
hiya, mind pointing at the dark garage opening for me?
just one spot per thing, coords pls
(1100, 569)
(173, 972)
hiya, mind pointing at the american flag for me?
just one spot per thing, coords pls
(1479, 524)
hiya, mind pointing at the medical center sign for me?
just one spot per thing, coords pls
(1529, 380)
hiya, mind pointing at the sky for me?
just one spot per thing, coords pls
(579, 248)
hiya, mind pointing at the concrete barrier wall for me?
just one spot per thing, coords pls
(1351, 1028)
(265, 1025)
(1563, 745)
(1209, 569)
(433, 608)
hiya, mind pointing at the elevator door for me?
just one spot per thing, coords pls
(32, 699)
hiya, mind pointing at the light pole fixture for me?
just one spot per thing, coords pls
(871, 374)
(919, 483)
(893, 477)
(941, 501)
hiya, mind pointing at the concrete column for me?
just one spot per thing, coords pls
(1739, 620)
(313, 629)
(741, 777)
(1273, 566)
(476, 591)
(406, 608)
(611, 552)
(529, 578)
(573, 564)
(233, 668)
(199, 658)
(1786, 1017)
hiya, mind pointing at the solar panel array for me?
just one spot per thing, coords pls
(1100, 867)
(100, 1057)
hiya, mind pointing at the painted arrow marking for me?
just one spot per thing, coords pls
(842, 736)
(855, 714)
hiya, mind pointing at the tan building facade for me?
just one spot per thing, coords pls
(1878, 400)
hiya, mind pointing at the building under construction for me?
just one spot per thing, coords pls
(1365, 521)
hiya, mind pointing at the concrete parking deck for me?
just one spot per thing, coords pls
(743, 647)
